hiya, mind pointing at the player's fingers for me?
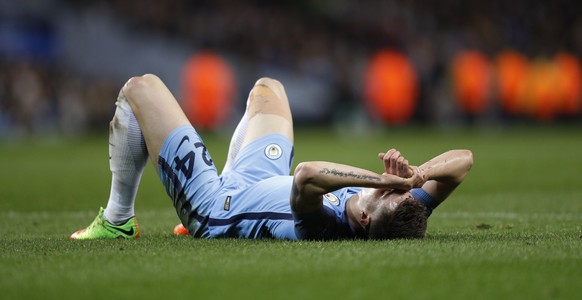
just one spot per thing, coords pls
(404, 168)
(381, 156)
(389, 153)
(407, 170)
(386, 160)
(410, 171)
(394, 162)
(392, 154)
(400, 163)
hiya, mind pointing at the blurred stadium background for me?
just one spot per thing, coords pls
(448, 63)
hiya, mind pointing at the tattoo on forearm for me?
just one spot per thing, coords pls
(351, 174)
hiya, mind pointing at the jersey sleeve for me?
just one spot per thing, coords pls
(425, 198)
(317, 225)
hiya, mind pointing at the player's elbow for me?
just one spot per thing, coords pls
(304, 175)
(466, 161)
(305, 192)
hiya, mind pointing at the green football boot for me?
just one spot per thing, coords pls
(102, 229)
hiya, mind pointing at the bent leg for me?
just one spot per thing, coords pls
(268, 106)
(176, 150)
(156, 110)
(127, 159)
(269, 111)
(236, 141)
(267, 147)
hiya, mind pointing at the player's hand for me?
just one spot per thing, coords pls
(400, 183)
(418, 178)
(395, 164)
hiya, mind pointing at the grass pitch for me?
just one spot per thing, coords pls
(513, 230)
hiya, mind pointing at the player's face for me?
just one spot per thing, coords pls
(392, 198)
(389, 198)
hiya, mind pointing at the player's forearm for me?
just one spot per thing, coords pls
(450, 167)
(312, 180)
(323, 177)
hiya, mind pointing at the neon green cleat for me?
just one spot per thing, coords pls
(102, 229)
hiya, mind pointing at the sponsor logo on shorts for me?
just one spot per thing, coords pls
(333, 199)
(273, 151)
(227, 203)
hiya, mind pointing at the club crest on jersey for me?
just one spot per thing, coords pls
(273, 151)
(333, 199)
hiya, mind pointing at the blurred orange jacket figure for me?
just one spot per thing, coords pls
(570, 83)
(471, 81)
(208, 90)
(512, 68)
(391, 87)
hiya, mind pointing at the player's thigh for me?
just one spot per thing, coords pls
(266, 157)
(269, 111)
(156, 110)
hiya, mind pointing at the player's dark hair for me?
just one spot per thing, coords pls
(407, 221)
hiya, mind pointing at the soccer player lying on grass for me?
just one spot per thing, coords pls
(254, 197)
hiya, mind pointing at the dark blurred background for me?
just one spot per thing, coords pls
(353, 64)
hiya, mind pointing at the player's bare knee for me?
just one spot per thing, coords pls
(267, 92)
(139, 85)
(272, 84)
(269, 82)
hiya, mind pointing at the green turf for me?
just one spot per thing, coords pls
(512, 231)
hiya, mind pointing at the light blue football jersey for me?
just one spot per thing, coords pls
(252, 199)
(249, 201)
